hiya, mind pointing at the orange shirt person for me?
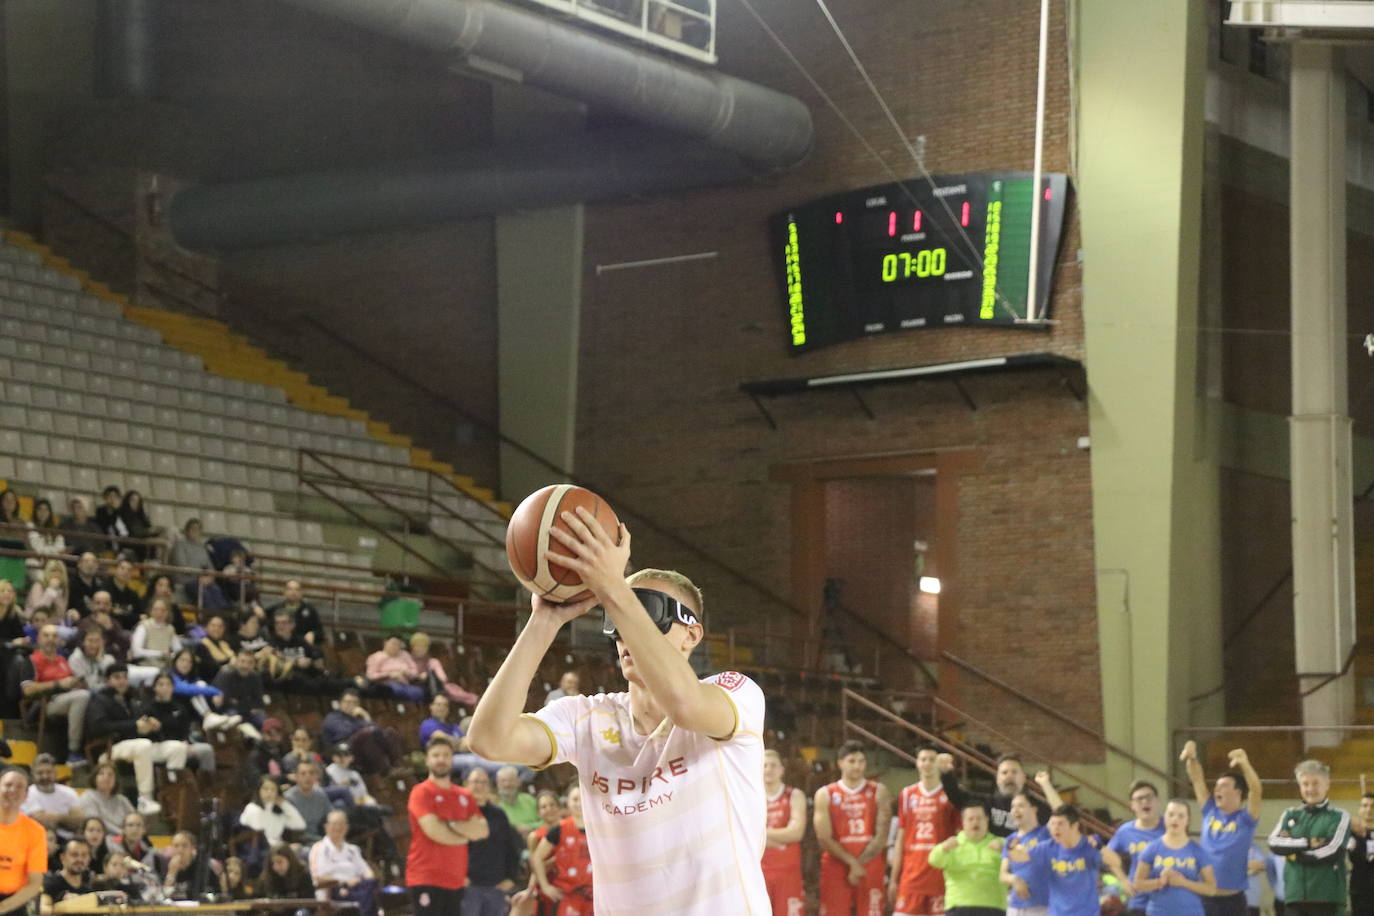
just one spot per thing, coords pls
(23, 846)
(851, 818)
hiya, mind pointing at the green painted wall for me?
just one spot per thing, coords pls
(1141, 79)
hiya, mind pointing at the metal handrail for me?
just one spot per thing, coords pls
(1056, 714)
(968, 756)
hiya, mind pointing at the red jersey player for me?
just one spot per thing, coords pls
(782, 871)
(851, 818)
(926, 817)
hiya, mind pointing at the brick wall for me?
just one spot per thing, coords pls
(663, 426)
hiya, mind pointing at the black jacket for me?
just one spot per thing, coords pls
(497, 858)
(109, 715)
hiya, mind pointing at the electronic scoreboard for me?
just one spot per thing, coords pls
(917, 255)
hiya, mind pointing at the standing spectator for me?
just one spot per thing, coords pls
(1362, 859)
(285, 878)
(133, 842)
(393, 669)
(238, 585)
(107, 517)
(243, 689)
(82, 533)
(125, 597)
(569, 685)
(519, 806)
(14, 528)
(782, 863)
(308, 624)
(1174, 870)
(71, 880)
(566, 845)
(105, 801)
(493, 863)
(377, 749)
(44, 536)
(1230, 814)
(1131, 838)
(434, 671)
(338, 868)
(1313, 838)
(1011, 781)
(26, 845)
(11, 618)
(310, 800)
(135, 520)
(189, 552)
(136, 737)
(64, 693)
(271, 815)
(55, 806)
(444, 819)
(1029, 891)
(155, 640)
(972, 862)
(81, 588)
(1070, 864)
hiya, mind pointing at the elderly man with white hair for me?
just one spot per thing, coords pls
(1312, 839)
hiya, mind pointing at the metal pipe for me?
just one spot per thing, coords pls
(126, 47)
(765, 127)
(1033, 281)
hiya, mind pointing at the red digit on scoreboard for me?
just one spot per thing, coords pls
(892, 223)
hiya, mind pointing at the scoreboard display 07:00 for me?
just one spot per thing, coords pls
(955, 252)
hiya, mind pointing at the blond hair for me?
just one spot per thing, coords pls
(676, 580)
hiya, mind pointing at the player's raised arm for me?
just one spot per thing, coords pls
(499, 730)
(1195, 774)
(600, 561)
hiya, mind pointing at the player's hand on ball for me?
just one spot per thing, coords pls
(561, 613)
(599, 557)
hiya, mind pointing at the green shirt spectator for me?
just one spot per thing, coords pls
(520, 806)
(972, 863)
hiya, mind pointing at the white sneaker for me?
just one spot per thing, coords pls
(147, 807)
(172, 774)
(214, 721)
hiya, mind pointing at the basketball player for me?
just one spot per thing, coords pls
(926, 817)
(671, 771)
(782, 870)
(852, 818)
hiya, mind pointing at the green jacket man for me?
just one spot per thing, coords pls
(972, 863)
(1312, 839)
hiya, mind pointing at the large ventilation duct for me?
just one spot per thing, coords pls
(126, 47)
(592, 166)
(765, 127)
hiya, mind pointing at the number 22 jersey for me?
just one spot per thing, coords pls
(927, 818)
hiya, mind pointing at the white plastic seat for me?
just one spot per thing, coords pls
(264, 528)
(45, 398)
(164, 463)
(35, 445)
(92, 428)
(117, 431)
(18, 393)
(138, 481)
(85, 481)
(213, 521)
(62, 448)
(57, 474)
(261, 501)
(141, 459)
(188, 491)
(213, 492)
(14, 417)
(142, 436)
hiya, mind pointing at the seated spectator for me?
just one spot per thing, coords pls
(81, 532)
(51, 681)
(520, 807)
(125, 595)
(44, 536)
(493, 863)
(202, 702)
(266, 757)
(302, 750)
(107, 516)
(251, 637)
(238, 586)
(161, 589)
(308, 624)
(243, 689)
(214, 650)
(71, 880)
(285, 878)
(136, 736)
(12, 620)
(377, 749)
(236, 885)
(82, 586)
(392, 668)
(341, 773)
(437, 678)
(569, 685)
(181, 871)
(93, 832)
(55, 806)
(463, 759)
(118, 875)
(105, 801)
(41, 617)
(90, 661)
(296, 665)
(135, 520)
(175, 726)
(155, 640)
(338, 868)
(14, 528)
(206, 594)
(117, 640)
(270, 815)
(310, 798)
(49, 592)
(132, 841)
(189, 552)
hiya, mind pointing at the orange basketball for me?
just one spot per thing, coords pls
(528, 540)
